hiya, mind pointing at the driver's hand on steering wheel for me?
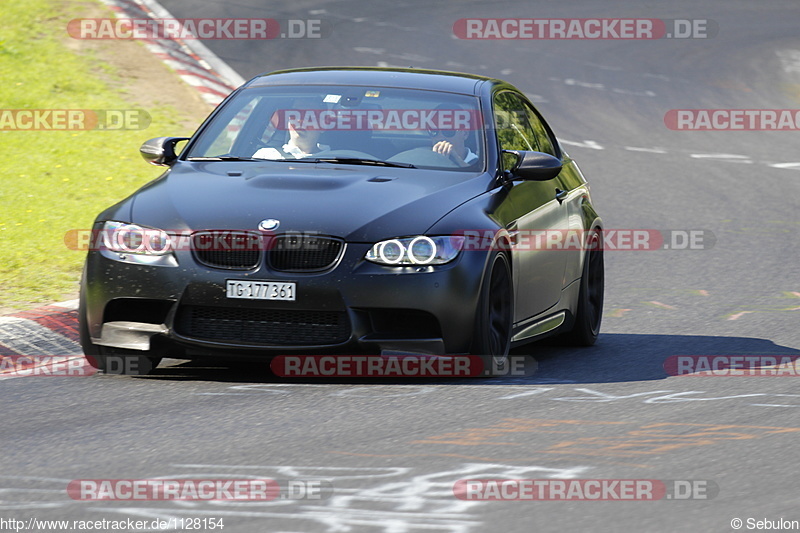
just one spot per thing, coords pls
(446, 149)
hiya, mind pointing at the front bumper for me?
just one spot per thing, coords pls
(356, 307)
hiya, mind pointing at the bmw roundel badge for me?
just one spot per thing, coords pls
(269, 224)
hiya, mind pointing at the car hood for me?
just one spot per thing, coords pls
(357, 203)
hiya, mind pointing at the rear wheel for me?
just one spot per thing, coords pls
(495, 310)
(590, 300)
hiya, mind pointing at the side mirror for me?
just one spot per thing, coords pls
(535, 166)
(161, 150)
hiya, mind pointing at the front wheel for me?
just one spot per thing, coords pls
(495, 310)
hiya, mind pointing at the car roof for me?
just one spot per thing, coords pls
(407, 78)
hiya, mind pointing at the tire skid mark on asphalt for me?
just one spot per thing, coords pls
(740, 314)
(654, 303)
(629, 440)
(619, 312)
(764, 309)
(737, 316)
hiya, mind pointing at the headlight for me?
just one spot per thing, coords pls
(420, 250)
(133, 239)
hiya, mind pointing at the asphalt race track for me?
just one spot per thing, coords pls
(392, 451)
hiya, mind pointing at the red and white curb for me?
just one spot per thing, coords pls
(49, 334)
(190, 59)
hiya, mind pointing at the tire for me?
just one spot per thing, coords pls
(590, 299)
(112, 360)
(495, 310)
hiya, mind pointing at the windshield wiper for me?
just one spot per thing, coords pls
(224, 158)
(359, 161)
(236, 158)
(343, 160)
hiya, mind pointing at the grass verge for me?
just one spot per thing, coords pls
(54, 181)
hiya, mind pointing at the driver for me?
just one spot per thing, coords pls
(302, 142)
(452, 143)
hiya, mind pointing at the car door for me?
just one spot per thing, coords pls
(572, 198)
(537, 264)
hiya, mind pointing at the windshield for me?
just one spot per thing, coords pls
(348, 125)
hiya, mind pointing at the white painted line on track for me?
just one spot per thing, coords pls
(648, 150)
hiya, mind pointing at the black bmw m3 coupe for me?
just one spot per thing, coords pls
(349, 210)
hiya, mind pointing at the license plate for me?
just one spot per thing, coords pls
(260, 290)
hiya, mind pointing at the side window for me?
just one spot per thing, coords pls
(514, 132)
(225, 140)
(539, 129)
